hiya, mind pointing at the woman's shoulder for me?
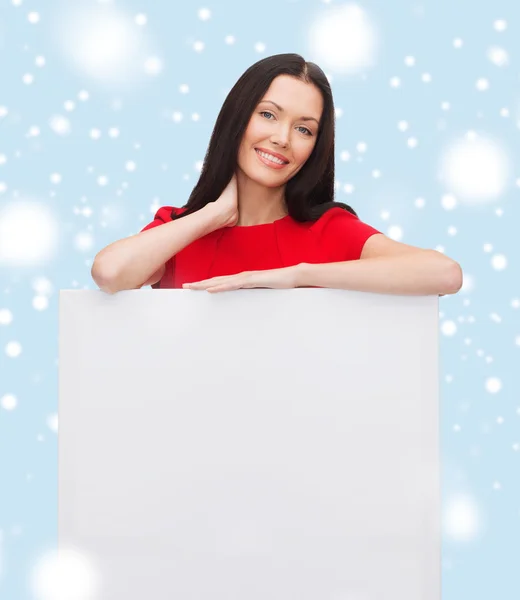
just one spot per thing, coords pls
(337, 216)
(163, 215)
(342, 234)
(165, 212)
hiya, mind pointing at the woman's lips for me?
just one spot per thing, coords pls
(270, 163)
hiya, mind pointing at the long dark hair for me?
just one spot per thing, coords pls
(310, 193)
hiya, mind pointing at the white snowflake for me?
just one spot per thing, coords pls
(500, 25)
(499, 262)
(493, 385)
(8, 402)
(204, 14)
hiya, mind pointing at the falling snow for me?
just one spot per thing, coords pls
(425, 155)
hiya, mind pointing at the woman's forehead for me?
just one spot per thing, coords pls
(295, 95)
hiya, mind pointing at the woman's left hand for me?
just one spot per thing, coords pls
(271, 278)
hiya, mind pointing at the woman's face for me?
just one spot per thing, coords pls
(281, 129)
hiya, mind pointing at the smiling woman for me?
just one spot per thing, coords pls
(283, 107)
(263, 212)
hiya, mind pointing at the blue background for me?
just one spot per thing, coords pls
(480, 326)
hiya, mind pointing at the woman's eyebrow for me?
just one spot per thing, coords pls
(282, 110)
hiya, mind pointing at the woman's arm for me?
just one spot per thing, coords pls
(421, 273)
(135, 261)
(387, 266)
(157, 276)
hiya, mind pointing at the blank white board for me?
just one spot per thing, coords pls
(251, 445)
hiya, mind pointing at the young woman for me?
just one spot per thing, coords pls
(263, 212)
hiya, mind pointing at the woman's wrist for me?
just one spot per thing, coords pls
(213, 217)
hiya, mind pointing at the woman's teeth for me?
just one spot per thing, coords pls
(271, 158)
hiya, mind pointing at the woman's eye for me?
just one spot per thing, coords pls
(266, 112)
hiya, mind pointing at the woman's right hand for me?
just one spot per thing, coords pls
(226, 205)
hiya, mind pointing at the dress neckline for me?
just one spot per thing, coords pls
(259, 226)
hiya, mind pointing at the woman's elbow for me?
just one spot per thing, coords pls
(454, 278)
(105, 280)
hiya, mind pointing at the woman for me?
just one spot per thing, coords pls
(263, 212)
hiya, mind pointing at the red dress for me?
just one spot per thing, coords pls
(337, 235)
